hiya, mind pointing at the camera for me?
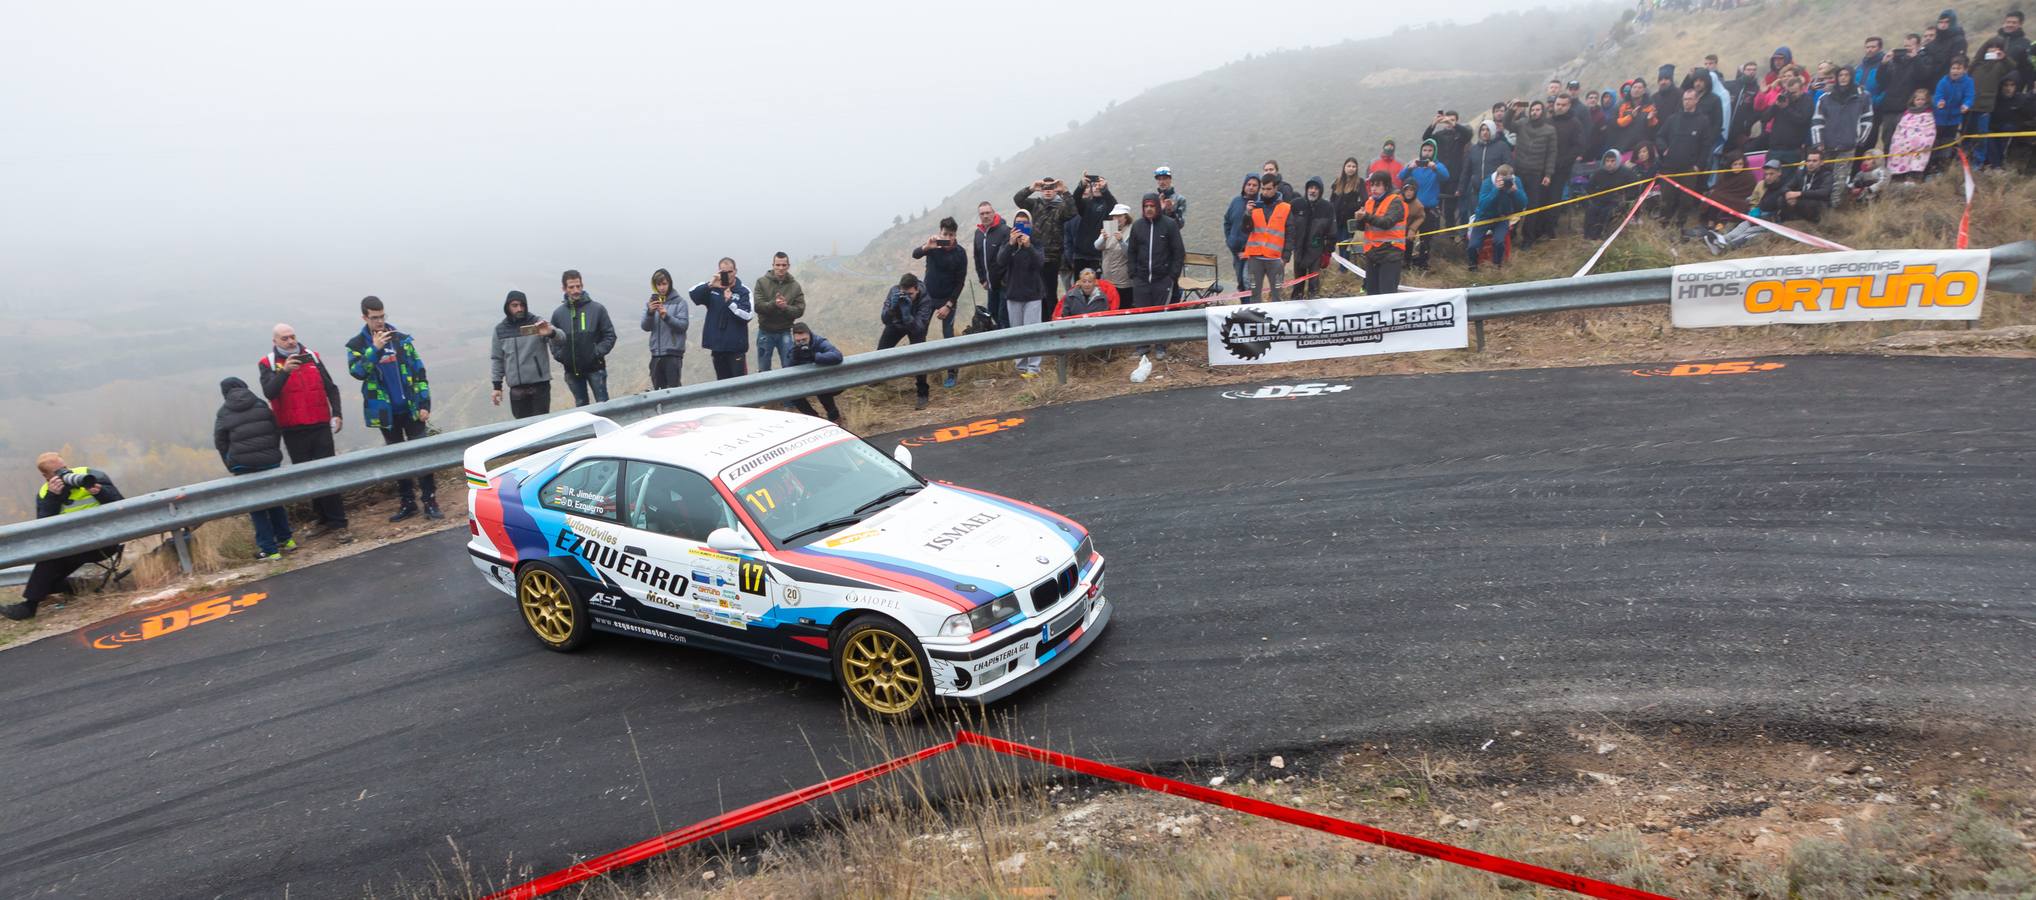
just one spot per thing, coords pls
(79, 479)
(727, 279)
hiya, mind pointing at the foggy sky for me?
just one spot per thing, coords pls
(224, 147)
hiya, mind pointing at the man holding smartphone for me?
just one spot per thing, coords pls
(947, 271)
(395, 396)
(518, 357)
(305, 400)
(725, 335)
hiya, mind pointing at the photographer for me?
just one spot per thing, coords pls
(666, 322)
(1092, 209)
(809, 349)
(518, 358)
(1499, 199)
(1027, 282)
(395, 396)
(65, 490)
(305, 401)
(907, 311)
(726, 333)
(1046, 202)
(947, 272)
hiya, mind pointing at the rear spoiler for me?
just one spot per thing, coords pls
(539, 435)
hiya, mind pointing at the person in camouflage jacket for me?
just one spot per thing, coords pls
(395, 395)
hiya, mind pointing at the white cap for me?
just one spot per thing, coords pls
(1121, 210)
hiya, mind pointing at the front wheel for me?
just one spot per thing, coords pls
(881, 669)
(553, 610)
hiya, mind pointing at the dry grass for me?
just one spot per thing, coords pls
(1814, 30)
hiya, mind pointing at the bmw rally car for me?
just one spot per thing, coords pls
(787, 541)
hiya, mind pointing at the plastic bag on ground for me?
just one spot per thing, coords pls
(1143, 371)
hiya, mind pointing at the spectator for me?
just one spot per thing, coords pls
(1988, 69)
(1687, 136)
(2014, 111)
(1611, 174)
(1484, 158)
(1088, 295)
(1869, 76)
(1953, 100)
(730, 307)
(2016, 42)
(1899, 76)
(1116, 262)
(1913, 136)
(1388, 161)
(1346, 195)
(581, 337)
(1950, 40)
(65, 490)
(1715, 103)
(1635, 124)
(1667, 97)
(666, 321)
(1049, 207)
(908, 311)
(1570, 136)
(811, 349)
(1265, 247)
(1452, 141)
(517, 358)
(1865, 185)
(395, 396)
(1843, 122)
(1500, 198)
(1534, 160)
(1271, 170)
(1777, 66)
(245, 433)
(1415, 254)
(1773, 188)
(1811, 190)
(1237, 224)
(1025, 291)
(305, 401)
(1311, 235)
(1745, 106)
(1157, 255)
(1550, 91)
(947, 272)
(1172, 203)
(1733, 189)
(1383, 221)
(991, 236)
(779, 301)
(1788, 122)
(1093, 202)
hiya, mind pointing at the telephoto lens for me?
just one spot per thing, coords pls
(80, 479)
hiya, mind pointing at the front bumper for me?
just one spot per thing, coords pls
(1022, 662)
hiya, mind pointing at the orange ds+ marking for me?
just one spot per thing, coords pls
(171, 621)
(977, 428)
(1738, 367)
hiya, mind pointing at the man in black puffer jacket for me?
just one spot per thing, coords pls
(248, 440)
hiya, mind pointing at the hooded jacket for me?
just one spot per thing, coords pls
(1024, 271)
(1774, 69)
(818, 352)
(1311, 224)
(1947, 46)
(1843, 120)
(581, 335)
(1482, 159)
(990, 269)
(1450, 144)
(667, 331)
(2018, 53)
(1237, 219)
(1634, 125)
(514, 358)
(1894, 80)
(1427, 179)
(1788, 124)
(1955, 95)
(1603, 179)
(1986, 75)
(726, 329)
(404, 370)
(1154, 246)
(768, 316)
(1049, 219)
(1088, 222)
(1686, 139)
(908, 314)
(245, 430)
(1494, 203)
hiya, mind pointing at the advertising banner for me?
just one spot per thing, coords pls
(1297, 330)
(1856, 286)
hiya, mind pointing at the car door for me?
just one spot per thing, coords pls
(670, 511)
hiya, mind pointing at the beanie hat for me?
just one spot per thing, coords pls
(1666, 72)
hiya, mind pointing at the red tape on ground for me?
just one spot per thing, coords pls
(638, 852)
(1525, 871)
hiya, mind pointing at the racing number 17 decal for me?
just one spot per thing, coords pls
(752, 577)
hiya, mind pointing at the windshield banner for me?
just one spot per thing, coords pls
(1298, 330)
(1857, 286)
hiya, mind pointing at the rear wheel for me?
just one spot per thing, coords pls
(553, 610)
(882, 669)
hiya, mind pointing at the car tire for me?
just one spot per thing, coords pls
(554, 612)
(882, 669)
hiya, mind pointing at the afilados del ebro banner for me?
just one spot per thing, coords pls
(1296, 330)
(1857, 286)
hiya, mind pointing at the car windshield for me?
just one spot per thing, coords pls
(816, 493)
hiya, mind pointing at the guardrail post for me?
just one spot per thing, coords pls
(1481, 334)
(182, 538)
(1060, 363)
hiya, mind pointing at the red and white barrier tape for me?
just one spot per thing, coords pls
(1783, 230)
(1645, 193)
(1965, 218)
(635, 853)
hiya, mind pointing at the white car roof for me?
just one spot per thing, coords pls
(705, 439)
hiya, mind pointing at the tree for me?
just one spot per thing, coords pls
(982, 167)
(897, 221)
(1072, 124)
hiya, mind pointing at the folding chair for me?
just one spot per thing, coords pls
(100, 575)
(1198, 288)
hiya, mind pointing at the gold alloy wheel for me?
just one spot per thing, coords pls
(546, 605)
(883, 673)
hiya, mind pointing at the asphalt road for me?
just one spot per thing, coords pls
(1838, 539)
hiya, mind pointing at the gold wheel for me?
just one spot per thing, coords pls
(547, 606)
(882, 671)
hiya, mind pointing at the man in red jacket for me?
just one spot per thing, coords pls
(305, 400)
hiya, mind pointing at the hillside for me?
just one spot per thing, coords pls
(1751, 35)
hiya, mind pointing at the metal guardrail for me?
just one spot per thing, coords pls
(2013, 269)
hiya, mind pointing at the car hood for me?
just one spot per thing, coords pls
(967, 537)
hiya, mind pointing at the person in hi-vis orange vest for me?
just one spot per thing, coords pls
(1266, 243)
(1383, 221)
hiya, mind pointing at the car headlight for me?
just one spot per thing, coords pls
(980, 618)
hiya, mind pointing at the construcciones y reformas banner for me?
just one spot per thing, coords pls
(1297, 330)
(1856, 286)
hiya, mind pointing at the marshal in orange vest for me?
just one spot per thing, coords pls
(1268, 234)
(1377, 237)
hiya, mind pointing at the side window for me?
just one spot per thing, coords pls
(673, 502)
(587, 489)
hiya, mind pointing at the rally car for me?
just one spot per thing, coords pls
(783, 540)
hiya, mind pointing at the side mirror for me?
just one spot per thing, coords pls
(728, 540)
(903, 455)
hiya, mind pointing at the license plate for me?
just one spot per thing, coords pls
(1065, 622)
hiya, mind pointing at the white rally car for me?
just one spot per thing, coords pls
(787, 541)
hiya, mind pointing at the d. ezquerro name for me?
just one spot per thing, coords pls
(1402, 318)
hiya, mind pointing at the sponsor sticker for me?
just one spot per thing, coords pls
(737, 474)
(846, 538)
(1856, 286)
(1346, 326)
(1001, 659)
(946, 537)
